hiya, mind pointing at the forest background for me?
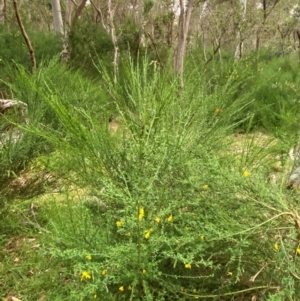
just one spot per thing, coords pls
(154, 155)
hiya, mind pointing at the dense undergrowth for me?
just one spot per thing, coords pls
(178, 203)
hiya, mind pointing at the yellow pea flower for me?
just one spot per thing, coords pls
(188, 266)
(104, 272)
(141, 213)
(298, 251)
(88, 257)
(202, 237)
(85, 275)
(246, 174)
(218, 110)
(95, 296)
(121, 288)
(144, 271)
(170, 218)
(157, 219)
(276, 247)
(119, 224)
(205, 187)
(148, 233)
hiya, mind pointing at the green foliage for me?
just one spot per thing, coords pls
(13, 47)
(90, 40)
(13, 50)
(71, 89)
(164, 212)
(148, 5)
(268, 88)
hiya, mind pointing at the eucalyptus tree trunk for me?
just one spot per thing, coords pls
(57, 18)
(109, 27)
(3, 11)
(68, 14)
(183, 28)
(240, 46)
(267, 9)
(203, 14)
(78, 11)
(113, 35)
(70, 21)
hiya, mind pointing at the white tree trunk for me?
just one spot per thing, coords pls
(57, 18)
(240, 46)
(109, 27)
(68, 15)
(204, 10)
(183, 26)
(114, 39)
(70, 21)
(203, 14)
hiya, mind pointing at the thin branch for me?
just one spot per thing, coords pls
(155, 48)
(100, 14)
(25, 36)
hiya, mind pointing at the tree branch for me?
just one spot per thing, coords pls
(100, 14)
(25, 36)
(78, 11)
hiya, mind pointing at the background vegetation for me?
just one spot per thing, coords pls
(144, 189)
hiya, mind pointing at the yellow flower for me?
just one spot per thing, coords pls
(128, 234)
(88, 257)
(147, 233)
(104, 272)
(170, 218)
(218, 110)
(202, 237)
(119, 223)
(95, 296)
(157, 219)
(298, 251)
(85, 275)
(205, 187)
(188, 266)
(229, 273)
(141, 213)
(144, 271)
(246, 174)
(276, 247)
(121, 288)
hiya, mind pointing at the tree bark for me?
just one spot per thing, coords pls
(78, 11)
(68, 15)
(266, 13)
(297, 34)
(240, 46)
(57, 18)
(112, 31)
(25, 36)
(183, 26)
(3, 11)
(69, 23)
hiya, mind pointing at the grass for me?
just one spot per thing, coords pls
(177, 204)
